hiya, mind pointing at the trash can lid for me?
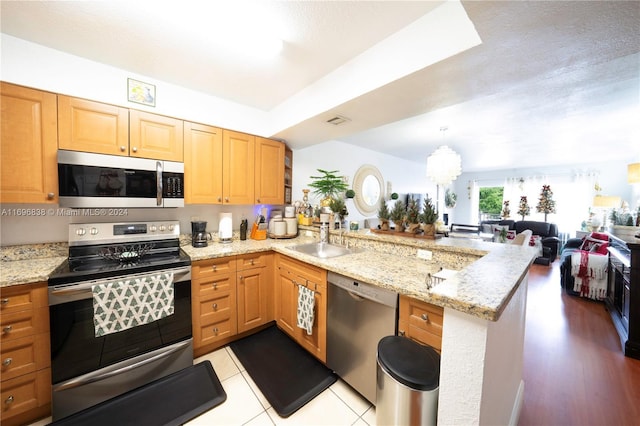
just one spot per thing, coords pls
(410, 363)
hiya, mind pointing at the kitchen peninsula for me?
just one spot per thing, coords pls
(484, 307)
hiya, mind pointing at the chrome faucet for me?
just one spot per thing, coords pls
(324, 233)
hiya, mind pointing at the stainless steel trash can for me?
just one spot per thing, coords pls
(407, 383)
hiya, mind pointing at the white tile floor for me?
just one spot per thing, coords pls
(245, 404)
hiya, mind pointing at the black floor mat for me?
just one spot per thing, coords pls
(287, 375)
(172, 400)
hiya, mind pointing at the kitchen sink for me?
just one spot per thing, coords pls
(323, 250)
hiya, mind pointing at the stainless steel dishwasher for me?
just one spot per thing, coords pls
(359, 315)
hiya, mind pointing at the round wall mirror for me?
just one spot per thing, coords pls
(369, 187)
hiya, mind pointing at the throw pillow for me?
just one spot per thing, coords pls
(534, 239)
(599, 236)
(511, 234)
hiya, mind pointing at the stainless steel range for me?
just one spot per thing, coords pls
(93, 356)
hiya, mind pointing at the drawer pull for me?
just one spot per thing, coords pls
(7, 362)
(215, 306)
(241, 277)
(9, 400)
(425, 317)
(214, 267)
(4, 301)
(7, 329)
(215, 286)
(215, 331)
(251, 262)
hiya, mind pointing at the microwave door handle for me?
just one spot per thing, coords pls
(158, 183)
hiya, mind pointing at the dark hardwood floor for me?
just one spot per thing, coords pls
(574, 369)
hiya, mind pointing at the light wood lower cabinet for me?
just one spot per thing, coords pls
(230, 295)
(25, 359)
(421, 321)
(290, 275)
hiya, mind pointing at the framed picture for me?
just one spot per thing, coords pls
(141, 92)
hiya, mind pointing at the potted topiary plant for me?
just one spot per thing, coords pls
(428, 217)
(383, 215)
(339, 208)
(328, 185)
(413, 213)
(397, 215)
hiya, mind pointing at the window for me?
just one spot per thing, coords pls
(490, 202)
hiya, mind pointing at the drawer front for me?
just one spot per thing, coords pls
(426, 317)
(213, 267)
(25, 355)
(25, 393)
(23, 297)
(23, 323)
(212, 287)
(215, 309)
(252, 260)
(300, 271)
(218, 330)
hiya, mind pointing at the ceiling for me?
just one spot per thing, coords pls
(516, 84)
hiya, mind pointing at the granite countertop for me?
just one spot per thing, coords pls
(488, 274)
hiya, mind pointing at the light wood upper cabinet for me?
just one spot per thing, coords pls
(155, 136)
(238, 171)
(92, 126)
(269, 179)
(28, 138)
(203, 164)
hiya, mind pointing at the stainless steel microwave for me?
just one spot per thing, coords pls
(87, 180)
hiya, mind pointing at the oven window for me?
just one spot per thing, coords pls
(75, 350)
(92, 181)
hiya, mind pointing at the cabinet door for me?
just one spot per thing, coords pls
(92, 126)
(29, 132)
(252, 298)
(269, 179)
(316, 342)
(202, 164)
(155, 136)
(286, 299)
(238, 172)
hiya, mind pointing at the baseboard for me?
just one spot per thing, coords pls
(517, 405)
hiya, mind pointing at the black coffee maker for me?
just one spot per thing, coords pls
(199, 234)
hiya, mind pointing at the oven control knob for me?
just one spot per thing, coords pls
(162, 228)
(171, 228)
(81, 231)
(93, 231)
(153, 228)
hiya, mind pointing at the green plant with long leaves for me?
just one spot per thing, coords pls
(329, 184)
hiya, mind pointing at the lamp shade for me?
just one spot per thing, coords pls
(633, 173)
(444, 165)
(606, 201)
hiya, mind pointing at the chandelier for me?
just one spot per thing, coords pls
(444, 165)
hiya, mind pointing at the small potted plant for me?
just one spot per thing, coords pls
(328, 185)
(339, 208)
(428, 217)
(383, 215)
(413, 219)
(397, 215)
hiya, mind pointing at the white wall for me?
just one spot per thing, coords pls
(405, 176)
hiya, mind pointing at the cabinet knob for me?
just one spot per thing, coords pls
(7, 329)
(400, 332)
(51, 195)
(123, 148)
(241, 277)
(219, 199)
(226, 199)
(251, 262)
(215, 286)
(215, 306)
(425, 317)
(9, 400)
(215, 330)
(134, 149)
(258, 200)
(214, 267)
(7, 362)
(4, 301)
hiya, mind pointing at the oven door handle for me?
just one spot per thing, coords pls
(179, 275)
(96, 376)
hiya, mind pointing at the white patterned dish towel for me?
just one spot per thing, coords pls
(306, 308)
(121, 305)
